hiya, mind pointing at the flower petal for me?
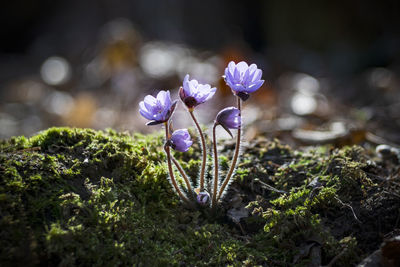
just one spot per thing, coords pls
(252, 68)
(229, 73)
(193, 87)
(149, 102)
(231, 67)
(257, 75)
(162, 97)
(242, 67)
(255, 86)
(236, 75)
(185, 85)
(146, 114)
(238, 87)
(211, 93)
(246, 77)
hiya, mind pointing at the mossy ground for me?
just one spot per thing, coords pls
(90, 198)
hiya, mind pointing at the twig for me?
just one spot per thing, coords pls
(177, 251)
(375, 176)
(351, 208)
(269, 187)
(391, 193)
(241, 228)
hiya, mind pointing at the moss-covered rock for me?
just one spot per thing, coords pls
(82, 197)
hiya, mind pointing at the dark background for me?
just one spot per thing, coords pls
(351, 48)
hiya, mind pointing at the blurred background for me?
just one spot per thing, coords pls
(331, 67)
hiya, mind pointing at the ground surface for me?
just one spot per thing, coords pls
(83, 197)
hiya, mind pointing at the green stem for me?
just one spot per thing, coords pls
(203, 145)
(171, 172)
(235, 155)
(214, 193)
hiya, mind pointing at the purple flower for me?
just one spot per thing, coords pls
(229, 118)
(157, 109)
(180, 140)
(193, 93)
(243, 79)
(203, 198)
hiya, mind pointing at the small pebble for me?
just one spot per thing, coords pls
(386, 151)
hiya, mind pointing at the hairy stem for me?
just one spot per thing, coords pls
(182, 172)
(214, 192)
(171, 172)
(235, 155)
(203, 145)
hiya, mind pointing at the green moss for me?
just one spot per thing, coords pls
(68, 194)
(83, 197)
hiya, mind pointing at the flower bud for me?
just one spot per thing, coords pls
(229, 118)
(203, 198)
(180, 140)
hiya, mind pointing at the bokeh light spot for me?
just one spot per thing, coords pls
(302, 104)
(55, 71)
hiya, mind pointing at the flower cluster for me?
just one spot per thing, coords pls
(243, 80)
